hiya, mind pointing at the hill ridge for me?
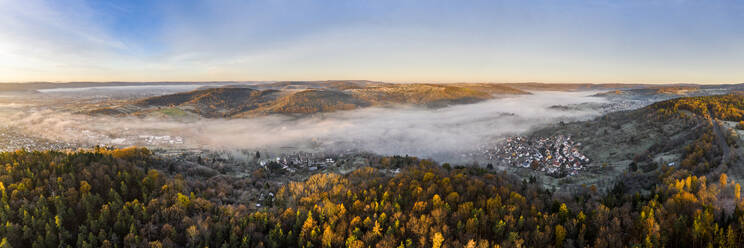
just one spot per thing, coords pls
(309, 98)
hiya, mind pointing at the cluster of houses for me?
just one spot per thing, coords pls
(299, 160)
(558, 155)
(623, 105)
(161, 139)
(12, 141)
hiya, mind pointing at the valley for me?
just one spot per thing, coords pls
(265, 149)
(371, 124)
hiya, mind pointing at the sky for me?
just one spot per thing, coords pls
(650, 41)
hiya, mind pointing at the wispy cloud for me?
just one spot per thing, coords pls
(40, 36)
(567, 41)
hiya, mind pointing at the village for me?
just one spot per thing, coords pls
(291, 162)
(557, 156)
(11, 141)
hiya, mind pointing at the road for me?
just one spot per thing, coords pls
(721, 140)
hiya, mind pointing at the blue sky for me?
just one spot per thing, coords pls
(649, 41)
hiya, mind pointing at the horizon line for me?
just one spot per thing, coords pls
(366, 80)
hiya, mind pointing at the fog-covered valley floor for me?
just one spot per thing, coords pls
(444, 134)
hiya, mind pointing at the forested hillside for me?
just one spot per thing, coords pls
(724, 107)
(107, 198)
(299, 98)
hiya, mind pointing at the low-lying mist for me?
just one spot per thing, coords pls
(443, 134)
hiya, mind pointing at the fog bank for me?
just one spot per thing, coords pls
(442, 134)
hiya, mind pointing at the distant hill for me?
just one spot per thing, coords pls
(434, 95)
(307, 102)
(215, 102)
(330, 84)
(669, 90)
(34, 86)
(308, 98)
(660, 88)
(572, 87)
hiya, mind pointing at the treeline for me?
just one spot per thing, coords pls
(106, 198)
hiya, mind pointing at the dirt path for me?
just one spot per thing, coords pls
(734, 170)
(721, 140)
